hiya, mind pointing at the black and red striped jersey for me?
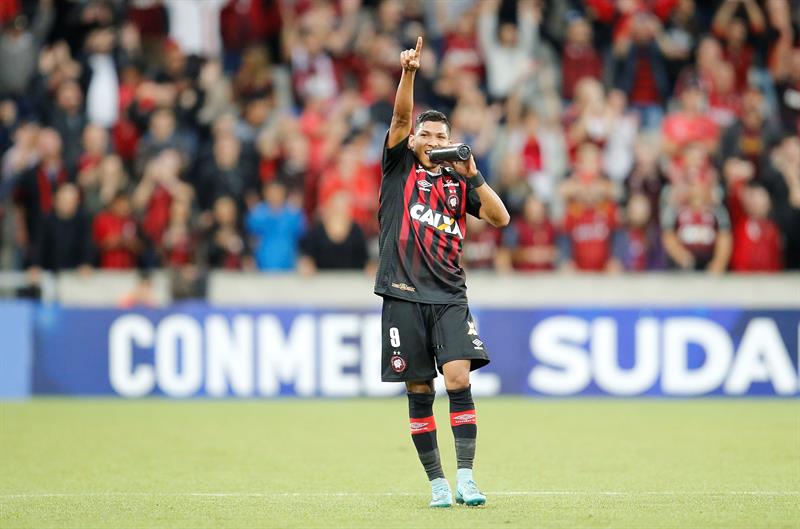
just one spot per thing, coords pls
(422, 227)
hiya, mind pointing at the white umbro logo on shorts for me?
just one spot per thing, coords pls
(477, 343)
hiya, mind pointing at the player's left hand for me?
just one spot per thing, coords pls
(466, 168)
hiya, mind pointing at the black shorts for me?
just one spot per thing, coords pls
(418, 338)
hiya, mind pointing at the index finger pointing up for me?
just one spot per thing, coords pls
(419, 46)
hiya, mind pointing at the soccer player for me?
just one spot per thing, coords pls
(426, 321)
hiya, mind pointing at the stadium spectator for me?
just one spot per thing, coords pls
(641, 52)
(689, 123)
(646, 177)
(692, 165)
(637, 245)
(696, 230)
(36, 188)
(738, 26)
(226, 248)
(475, 124)
(162, 134)
(101, 183)
(757, 245)
(68, 119)
(335, 242)
(787, 86)
(618, 153)
(512, 187)
(289, 162)
(359, 180)
(102, 92)
(683, 28)
(9, 117)
(94, 146)
(178, 242)
(460, 47)
(195, 26)
(529, 243)
(579, 58)
(64, 240)
(591, 217)
(153, 197)
(20, 157)
(700, 73)
(275, 225)
(508, 48)
(116, 235)
(313, 71)
(226, 174)
(724, 103)
(752, 135)
(20, 45)
(783, 182)
(482, 245)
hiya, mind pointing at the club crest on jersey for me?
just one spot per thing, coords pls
(397, 363)
(435, 219)
(453, 202)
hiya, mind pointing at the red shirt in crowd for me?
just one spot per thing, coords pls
(590, 230)
(756, 246)
(180, 250)
(682, 129)
(756, 242)
(606, 11)
(644, 90)
(463, 52)
(481, 248)
(527, 236)
(578, 61)
(362, 184)
(741, 60)
(697, 231)
(156, 218)
(108, 227)
(532, 155)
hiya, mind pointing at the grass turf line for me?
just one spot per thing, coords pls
(133, 464)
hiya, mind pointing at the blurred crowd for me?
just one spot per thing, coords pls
(247, 134)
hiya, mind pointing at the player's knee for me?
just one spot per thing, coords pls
(457, 380)
(420, 387)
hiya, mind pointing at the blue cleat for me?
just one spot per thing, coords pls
(467, 491)
(441, 495)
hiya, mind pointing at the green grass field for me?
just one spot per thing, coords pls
(350, 463)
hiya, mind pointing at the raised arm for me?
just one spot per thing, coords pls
(723, 16)
(404, 100)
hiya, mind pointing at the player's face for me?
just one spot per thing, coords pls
(429, 135)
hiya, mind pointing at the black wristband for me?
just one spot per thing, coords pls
(477, 181)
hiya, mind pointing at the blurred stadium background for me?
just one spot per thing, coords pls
(188, 195)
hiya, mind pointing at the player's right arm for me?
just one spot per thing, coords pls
(404, 100)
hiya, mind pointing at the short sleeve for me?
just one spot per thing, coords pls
(723, 219)
(394, 156)
(669, 217)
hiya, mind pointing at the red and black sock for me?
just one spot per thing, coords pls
(423, 432)
(464, 424)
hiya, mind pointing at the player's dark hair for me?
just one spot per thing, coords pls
(433, 115)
